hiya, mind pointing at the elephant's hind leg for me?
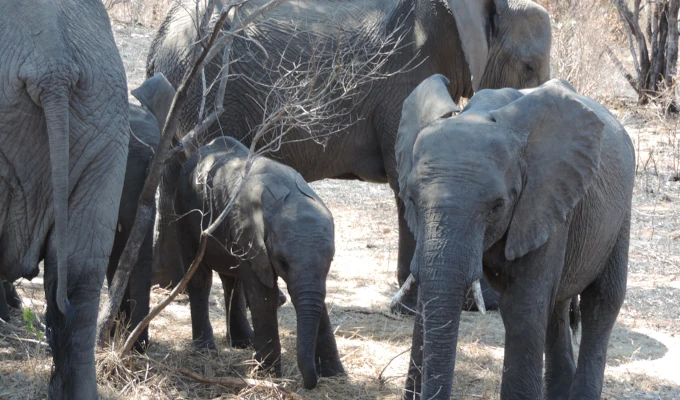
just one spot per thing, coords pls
(559, 354)
(199, 295)
(600, 304)
(239, 333)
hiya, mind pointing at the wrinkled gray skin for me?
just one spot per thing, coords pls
(280, 227)
(475, 44)
(63, 136)
(532, 189)
(146, 123)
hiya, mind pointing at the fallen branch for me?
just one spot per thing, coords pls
(240, 383)
(25, 340)
(368, 312)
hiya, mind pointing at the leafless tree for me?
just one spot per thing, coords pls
(309, 93)
(653, 44)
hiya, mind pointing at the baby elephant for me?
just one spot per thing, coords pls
(278, 226)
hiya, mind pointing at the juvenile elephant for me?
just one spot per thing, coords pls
(475, 43)
(63, 144)
(146, 123)
(279, 227)
(533, 189)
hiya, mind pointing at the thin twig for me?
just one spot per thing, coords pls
(380, 376)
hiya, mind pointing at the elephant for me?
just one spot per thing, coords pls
(146, 123)
(8, 298)
(64, 135)
(475, 43)
(531, 189)
(278, 227)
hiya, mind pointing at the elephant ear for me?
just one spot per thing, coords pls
(156, 94)
(562, 144)
(473, 19)
(304, 187)
(429, 101)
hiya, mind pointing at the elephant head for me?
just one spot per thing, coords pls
(506, 171)
(156, 94)
(506, 43)
(300, 244)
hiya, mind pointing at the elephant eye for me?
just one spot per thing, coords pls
(497, 206)
(529, 67)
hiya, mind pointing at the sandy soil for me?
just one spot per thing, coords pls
(644, 351)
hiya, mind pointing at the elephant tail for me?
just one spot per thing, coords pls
(55, 103)
(574, 314)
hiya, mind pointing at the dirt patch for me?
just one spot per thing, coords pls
(644, 350)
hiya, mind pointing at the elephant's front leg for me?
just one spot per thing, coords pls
(530, 284)
(407, 246)
(199, 295)
(263, 302)
(326, 355)
(559, 354)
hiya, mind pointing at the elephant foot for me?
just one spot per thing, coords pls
(204, 344)
(142, 343)
(238, 342)
(407, 305)
(13, 299)
(330, 368)
(271, 367)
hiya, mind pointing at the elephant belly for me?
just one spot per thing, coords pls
(218, 259)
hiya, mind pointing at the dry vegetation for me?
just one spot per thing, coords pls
(644, 351)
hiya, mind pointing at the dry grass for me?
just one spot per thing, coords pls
(644, 351)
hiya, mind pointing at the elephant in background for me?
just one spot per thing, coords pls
(475, 43)
(146, 124)
(533, 190)
(63, 139)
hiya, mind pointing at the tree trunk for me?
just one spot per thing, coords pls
(656, 71)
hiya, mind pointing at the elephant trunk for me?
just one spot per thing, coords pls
(309, 303)
(447, 266)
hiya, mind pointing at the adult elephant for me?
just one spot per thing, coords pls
(63, 141)
(475, 43)
(533, 189)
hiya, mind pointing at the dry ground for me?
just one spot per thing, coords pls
(644, 352)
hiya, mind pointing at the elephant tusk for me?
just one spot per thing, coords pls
(479, 299)
(402, 291)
